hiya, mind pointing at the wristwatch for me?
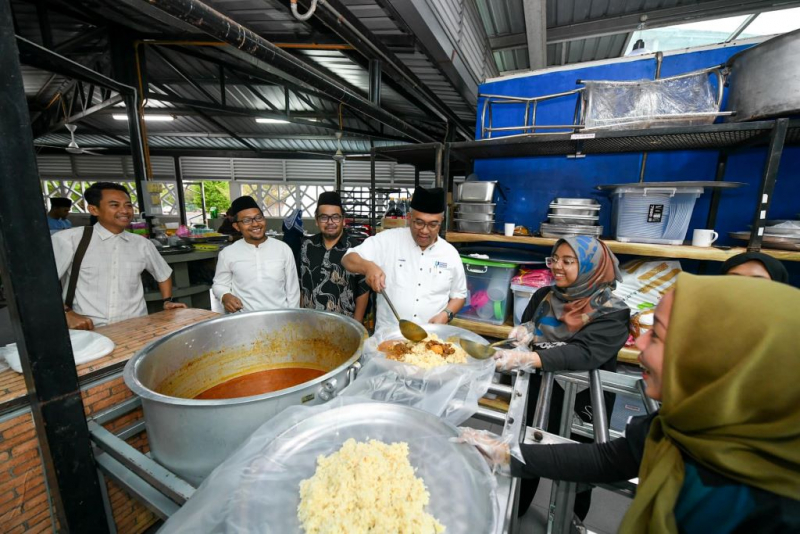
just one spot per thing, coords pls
(450, 315)
(169, 299)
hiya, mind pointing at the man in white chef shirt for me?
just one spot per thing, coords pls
(109, 287)
(257, 272)
(422, 273)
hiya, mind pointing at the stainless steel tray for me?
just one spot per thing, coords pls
(474, 227)
(457, 499)
(560, 209)
(770, 241)
(474, 207)
(479, 217)
(475, 191)
(582, 220)
(576, 201)
(566, 230)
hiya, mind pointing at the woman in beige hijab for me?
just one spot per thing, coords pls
(722, 455)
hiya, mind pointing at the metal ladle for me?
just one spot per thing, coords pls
(480, 351)
(411, 331)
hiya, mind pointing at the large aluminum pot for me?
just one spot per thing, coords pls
(765, 79)
(191, 437)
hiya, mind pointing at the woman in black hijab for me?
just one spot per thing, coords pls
(757, 265)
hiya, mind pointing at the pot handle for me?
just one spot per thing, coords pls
(352, 373)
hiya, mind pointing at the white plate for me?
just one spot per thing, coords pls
(86, 347)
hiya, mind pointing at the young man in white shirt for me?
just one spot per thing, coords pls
(422, 274)
(109, 287)
(255, 273)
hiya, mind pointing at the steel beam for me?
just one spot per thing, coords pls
(219, 125)
(37, 56)
(419, 15)
(207, 106)
(768, 178)
(375, 81)
(536, 32)
(651, 19)
(335, 15)
(223, 28)
(123, 57)
(81, 39)
(27, 266)
(114, 100)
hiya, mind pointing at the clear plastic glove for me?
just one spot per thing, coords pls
(491, 446)
(496, 450)
(516, 360)
(521, 335)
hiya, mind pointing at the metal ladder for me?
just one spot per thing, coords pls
(562, 495)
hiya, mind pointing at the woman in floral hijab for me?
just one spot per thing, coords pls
(578, 324)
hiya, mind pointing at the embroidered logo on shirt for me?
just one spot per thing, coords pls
(440, 265)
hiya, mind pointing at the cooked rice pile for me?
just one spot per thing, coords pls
(428, 353)
(365, 488)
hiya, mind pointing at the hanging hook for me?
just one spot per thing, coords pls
(308, 14)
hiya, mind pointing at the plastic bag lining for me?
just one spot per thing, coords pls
(256, 490)
(629, 105)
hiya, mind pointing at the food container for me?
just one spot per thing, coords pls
(190, 437)
(567, 230)
(481, 217)
(561, 209)
(490, 278)
(475, 192)
(576, 201)
(573, 219)
(474, 207)
(653, 214)
(474, 227)
(522, 296)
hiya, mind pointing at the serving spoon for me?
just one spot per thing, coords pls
(479, 351)
(411, 331)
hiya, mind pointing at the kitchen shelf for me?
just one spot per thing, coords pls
(730, 136)
(636, 249)
(626, 355)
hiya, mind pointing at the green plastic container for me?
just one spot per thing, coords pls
(489, 289)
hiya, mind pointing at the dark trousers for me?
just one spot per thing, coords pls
(583, 407)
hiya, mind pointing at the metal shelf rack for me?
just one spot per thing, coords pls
(727, 138)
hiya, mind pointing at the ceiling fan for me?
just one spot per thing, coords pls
(339, 156)
(73, 147)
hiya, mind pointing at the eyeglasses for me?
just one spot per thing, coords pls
(565, 262)
(419, 224)
(325, 218)
(250, 220)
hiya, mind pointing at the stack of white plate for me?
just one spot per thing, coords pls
(572, 216)
(474, 217)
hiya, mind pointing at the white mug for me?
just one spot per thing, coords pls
(509, 229)
(704, 238)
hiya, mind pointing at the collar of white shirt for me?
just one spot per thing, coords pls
(255, 246)
(414, 243)
(104, 233)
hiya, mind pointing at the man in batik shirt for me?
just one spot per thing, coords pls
(324, 284)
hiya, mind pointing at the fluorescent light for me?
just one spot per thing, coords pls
(149, 118)
(271, 121)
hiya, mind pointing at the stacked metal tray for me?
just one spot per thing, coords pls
(572, 216)
(474, 217)
(777, 234)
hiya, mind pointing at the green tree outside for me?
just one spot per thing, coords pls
(217, 194)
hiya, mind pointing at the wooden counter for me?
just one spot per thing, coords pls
(636, 249)
(129, 336)
(24, 503)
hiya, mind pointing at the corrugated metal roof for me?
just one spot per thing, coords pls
(267, 17)
(326, 146)
(584, 30)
